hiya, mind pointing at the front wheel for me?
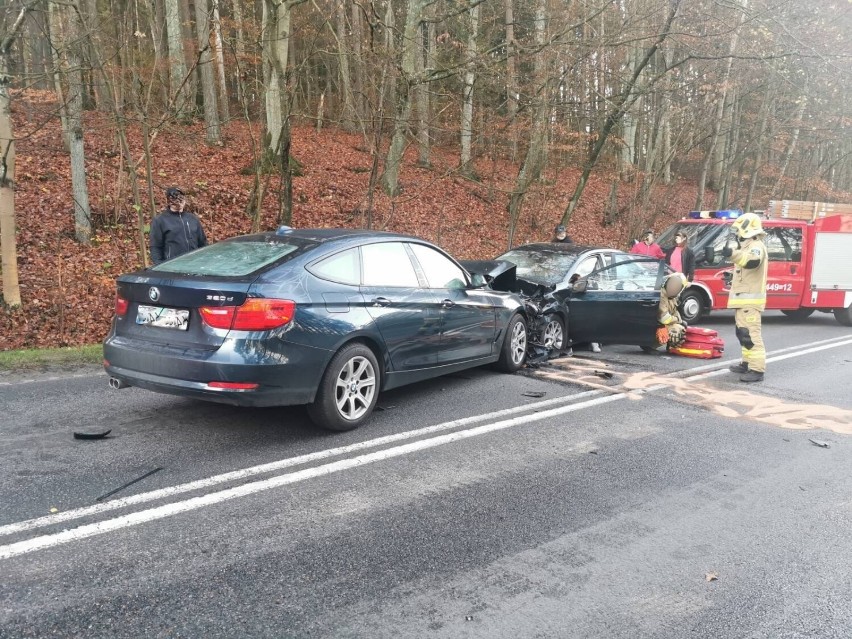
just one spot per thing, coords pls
(348, 391)
(692, 305)
(844, 315)
(798, 313)
(513, 353)
(553, 334)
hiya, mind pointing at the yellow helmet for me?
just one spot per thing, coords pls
(748, 225)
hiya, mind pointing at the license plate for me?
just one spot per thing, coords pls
(165, 317)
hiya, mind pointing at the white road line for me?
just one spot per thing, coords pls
(160, 512)
(133, 519)
(243, 473)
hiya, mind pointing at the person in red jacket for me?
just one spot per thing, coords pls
(648, 246)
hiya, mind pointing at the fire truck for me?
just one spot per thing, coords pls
(810, 259)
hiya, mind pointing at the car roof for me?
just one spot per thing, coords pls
(323, 235)
(562, 247)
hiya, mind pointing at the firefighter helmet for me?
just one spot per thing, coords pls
(674, 284)
(747, 226)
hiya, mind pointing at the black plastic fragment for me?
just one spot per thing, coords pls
(102, 435)
(533, 393)
(604, 374)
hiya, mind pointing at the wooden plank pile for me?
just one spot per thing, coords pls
(798, 210)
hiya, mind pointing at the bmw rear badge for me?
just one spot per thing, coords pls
(153, 293)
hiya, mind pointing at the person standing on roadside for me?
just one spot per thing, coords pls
(560, 235)
(748, 294)
(175, 231)
(680, 257)
(648, 246)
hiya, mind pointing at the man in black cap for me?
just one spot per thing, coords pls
(175, 231)
(560, 234)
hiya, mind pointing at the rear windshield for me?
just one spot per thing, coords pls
(233, 259)
(540, 266)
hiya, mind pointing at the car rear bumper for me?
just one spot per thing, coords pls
(288, 376)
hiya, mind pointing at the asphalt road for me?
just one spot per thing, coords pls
(639, 496)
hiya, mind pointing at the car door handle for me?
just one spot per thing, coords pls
(380, 301)
(447, 303)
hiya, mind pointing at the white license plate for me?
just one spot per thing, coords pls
(165, 317)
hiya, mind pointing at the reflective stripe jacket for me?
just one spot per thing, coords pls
(748, 288)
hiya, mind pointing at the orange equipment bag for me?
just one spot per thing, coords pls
(703, 343)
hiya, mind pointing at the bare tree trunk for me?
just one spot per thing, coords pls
(8, 244)
(347, 115)
(537, 150)
(82, 212)
(358, 76)
(413, 18)
(208, 84)
(766, 110)
(467, 90)
(240, 70)
(424, 110)
(275, 41)
(224, 107)
(178, 87)
(56, 39)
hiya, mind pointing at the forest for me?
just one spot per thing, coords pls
(476, 124)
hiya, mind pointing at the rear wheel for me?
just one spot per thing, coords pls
(513, 353)
(348, 391)
(798, 313)
(553, 334)
(844, 315)
(692, 305)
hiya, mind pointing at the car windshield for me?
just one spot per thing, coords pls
(230, 259)
(540, 265)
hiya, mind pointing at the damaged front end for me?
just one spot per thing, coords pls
(548, 337)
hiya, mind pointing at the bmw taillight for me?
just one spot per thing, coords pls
(256, 314)
(121, 306)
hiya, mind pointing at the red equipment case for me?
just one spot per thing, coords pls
(703, 343)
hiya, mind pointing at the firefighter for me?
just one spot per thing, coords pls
(748, 294)
(673, 328)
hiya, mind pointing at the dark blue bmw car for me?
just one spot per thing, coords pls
(323, 317)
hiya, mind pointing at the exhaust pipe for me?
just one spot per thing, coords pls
(117, 384)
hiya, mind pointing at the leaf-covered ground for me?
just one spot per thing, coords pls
(67, 289)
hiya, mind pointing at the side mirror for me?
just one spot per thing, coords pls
(709, 254)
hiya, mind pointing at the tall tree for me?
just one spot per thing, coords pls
(467, 87)
(178, 86)
(8, 244)
(205, 63)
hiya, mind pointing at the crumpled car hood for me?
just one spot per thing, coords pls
(501, 275)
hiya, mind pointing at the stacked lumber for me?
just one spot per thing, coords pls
(798, 210)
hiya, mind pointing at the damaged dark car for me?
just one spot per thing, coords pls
(578, 294)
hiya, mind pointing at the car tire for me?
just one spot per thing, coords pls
(513, 353)
(553, 333)
(798, 313)
(348, 391)
(843, 315)
(692, 305)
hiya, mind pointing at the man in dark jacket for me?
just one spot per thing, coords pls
(175, 231)
(560, 235)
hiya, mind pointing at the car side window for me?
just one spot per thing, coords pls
(440, 271)
(784, 244)
(626, 276)
(388, 264)
(587, 266)
(343, 267)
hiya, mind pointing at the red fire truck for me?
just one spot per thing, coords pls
(810, 259)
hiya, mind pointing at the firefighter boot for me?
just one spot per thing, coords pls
(751, 376)
(740, 368)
